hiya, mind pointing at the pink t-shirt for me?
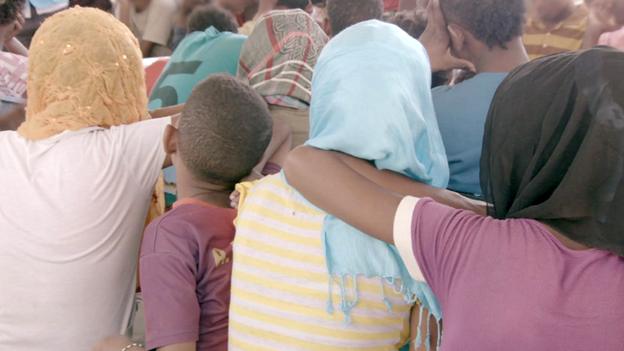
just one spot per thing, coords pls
(613, 39)
(510, 284)
(186, 267)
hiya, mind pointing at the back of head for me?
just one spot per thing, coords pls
(345, 13)
(85, 70)
(372, 100)
(279, 56)
(223, 131)
(493, 22)
(413, 22)
(206, 16)
(9, 10)
(554, 146)
(293, 4)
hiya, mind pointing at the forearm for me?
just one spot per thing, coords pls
(405, 186)
(167, 111)
(331, 184)
(124, 12)
(16, 47)
(591, 38)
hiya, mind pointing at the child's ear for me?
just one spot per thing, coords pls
(458, 38)
(170, 140)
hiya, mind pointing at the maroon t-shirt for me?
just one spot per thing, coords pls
(186, 266)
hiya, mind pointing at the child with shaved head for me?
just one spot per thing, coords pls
(186, 255)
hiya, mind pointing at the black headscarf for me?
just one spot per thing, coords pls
(554, 146)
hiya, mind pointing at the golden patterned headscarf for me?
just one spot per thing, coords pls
(85, 70)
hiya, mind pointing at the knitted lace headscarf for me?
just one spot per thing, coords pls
(85, 70)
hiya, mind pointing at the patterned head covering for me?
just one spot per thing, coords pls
(85, 70)
(279, 56)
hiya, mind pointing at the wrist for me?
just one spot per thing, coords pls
(135, 346)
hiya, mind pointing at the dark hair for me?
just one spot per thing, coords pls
(206, 16)
(345, 13)
(9, 10)
(224, 130)
(413, 22)
(494, 22)
(293, 4)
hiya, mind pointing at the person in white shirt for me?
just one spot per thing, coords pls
(151, 21)
(77, 179)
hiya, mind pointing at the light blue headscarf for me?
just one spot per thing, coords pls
(372, 99)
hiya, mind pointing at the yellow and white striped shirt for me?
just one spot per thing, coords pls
(280, 283)
(566, 36)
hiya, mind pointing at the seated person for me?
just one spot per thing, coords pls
(554, 26)
(186, 256)
(82, 175)
(11, 24)
(547, 271)
(266, 6)
(278, 62)
(180, 28)
(372, 98)
(211, 47)
(476, 35)
(151, 21)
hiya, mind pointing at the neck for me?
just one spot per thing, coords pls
(216, 195)
(498, 59)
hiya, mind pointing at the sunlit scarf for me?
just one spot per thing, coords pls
(85, 70)
(372, 100)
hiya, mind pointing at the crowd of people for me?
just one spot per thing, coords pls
(312, 175)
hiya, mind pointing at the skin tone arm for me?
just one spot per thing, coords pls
(174, 113)
(8, 33)
(116, 343)
(600, 20)
(307, 169)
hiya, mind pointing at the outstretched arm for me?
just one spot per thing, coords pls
(331, 184)
(358, 193)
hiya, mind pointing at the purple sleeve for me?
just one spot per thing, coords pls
(436, 242)
(168, 282)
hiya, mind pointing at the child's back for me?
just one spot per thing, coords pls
(186, 257)
(186, 263)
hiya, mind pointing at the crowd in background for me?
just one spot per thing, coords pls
(415, 175)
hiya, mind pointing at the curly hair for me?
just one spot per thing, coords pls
(224, 130)
(9, 10)
(345, 13)
(494, 22)
(205, 16)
